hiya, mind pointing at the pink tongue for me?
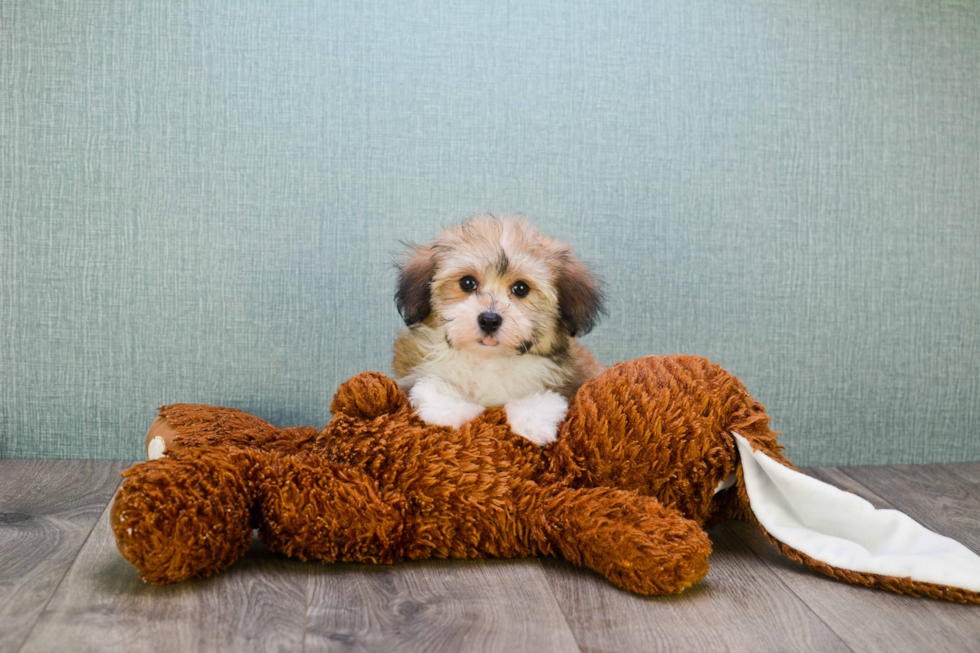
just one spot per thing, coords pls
(489, 342)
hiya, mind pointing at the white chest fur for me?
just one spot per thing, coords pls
(492, 381)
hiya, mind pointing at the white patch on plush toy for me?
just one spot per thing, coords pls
(727, 483)
(156, 448)
(436, 402)
(536, 417)
(845, 531)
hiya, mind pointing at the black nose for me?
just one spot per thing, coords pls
(489, 322)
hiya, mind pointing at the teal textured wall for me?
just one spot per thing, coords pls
(199, 201)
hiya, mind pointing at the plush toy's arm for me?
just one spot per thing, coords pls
(635, 541)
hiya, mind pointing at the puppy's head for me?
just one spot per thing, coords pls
(499, 287)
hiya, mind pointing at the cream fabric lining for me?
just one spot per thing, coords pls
(843, 530)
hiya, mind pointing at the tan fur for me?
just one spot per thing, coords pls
(537, 330)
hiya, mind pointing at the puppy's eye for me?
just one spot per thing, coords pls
(467, 283)
(520, 289)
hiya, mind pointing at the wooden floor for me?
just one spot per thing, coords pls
(64, 587)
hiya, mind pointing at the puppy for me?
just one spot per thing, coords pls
(493, 308)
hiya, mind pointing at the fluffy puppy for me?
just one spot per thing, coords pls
(493, 308)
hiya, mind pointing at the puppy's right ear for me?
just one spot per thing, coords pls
(579, 296)
(414, 280)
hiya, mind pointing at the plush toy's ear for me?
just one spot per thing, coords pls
(368, 395)
(579, 296)
(842, 535)
(414, 278)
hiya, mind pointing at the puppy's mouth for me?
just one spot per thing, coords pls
(487, 341)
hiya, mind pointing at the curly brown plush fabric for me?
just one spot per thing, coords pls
(626, 489)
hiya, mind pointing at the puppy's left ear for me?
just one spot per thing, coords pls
(414, 280)
(580, 301)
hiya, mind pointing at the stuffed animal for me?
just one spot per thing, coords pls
(650, 453)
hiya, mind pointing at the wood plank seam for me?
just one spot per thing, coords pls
(963, 478)
(306, 609)
(557, 603)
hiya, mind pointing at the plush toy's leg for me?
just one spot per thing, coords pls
(844, 536)
(314, 509)
(186, 515)
(637, 543)
(159, 438)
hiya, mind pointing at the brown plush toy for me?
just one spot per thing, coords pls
(650, 453)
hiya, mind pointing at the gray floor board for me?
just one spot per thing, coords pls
(436, 605)
(47, 510)
(969, 472)
(63, 586)
(739, 606)
(257, 604)
(866, 619)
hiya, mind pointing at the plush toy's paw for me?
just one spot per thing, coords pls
(185, 516)
(435, 402)
(536, 417)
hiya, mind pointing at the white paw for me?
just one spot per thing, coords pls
(156, 448)
(434, 402)
(536, 417)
